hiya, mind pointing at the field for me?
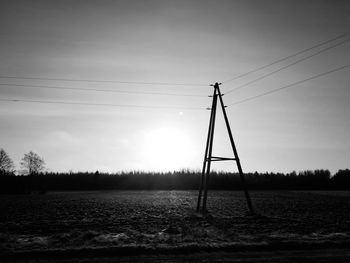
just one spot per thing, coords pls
(134, 221)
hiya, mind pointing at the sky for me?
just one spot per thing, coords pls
(152, 124)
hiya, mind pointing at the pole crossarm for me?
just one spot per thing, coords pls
(215, 158)
(208, 157)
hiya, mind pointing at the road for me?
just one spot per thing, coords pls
(285, 256)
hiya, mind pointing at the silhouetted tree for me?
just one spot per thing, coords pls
(341, 180)
(32, 163)
(6, 163)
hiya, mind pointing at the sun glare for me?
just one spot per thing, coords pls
(167, 148)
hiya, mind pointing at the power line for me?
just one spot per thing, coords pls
(288, 65)
(102, 104)
(103, 90)
(103, 81)
(287, 57)
(288, 86)
(174, 84)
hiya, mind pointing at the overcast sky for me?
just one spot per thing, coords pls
(190, 42)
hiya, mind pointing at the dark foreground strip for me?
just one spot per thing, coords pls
(186, 249)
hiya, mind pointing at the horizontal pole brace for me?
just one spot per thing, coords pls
(220, 159)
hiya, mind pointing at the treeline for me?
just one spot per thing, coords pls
(178, 180)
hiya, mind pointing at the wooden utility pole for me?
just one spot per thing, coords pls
(208, 157)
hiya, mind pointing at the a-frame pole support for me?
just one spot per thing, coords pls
(208, 158)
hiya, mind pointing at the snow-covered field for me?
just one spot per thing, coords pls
(166, 220)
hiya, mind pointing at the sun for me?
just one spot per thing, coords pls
(167, 149)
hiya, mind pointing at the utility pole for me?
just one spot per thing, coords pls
(208, 157)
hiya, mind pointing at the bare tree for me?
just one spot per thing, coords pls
(32, 163)
(6, 163)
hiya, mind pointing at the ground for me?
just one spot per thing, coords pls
(124, 223)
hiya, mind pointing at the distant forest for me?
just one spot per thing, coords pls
(178, 180)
